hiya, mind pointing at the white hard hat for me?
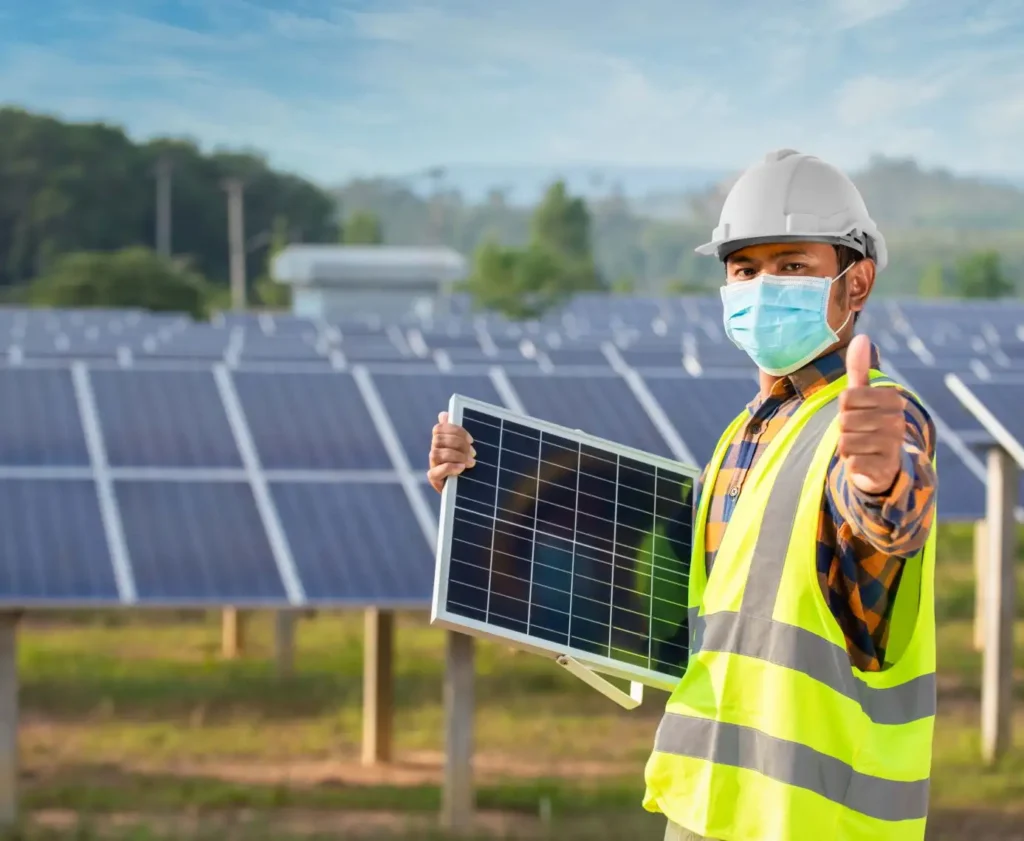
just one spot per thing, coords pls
(792, 197)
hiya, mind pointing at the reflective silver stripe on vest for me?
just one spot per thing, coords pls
(754, 633)
(792, 764)
(795, 648)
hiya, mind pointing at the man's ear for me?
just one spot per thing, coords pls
(860, 280)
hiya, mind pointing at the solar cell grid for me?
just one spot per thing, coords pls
(602, 405)
(1002, 399)
(40, 420)
(570, 545)
(163, 419)
(567, 357)
(930, 385)
(701, 408)
(55, 549)
(413, 402)
(356, 542)
(310, 421)
(961, 496)
(196, 542)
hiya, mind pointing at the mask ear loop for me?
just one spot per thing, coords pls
(849, 315)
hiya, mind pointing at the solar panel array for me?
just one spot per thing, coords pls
(278, 460)
(568, 544)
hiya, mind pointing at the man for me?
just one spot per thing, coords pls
(807, 706)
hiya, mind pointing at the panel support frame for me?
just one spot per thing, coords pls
(9, 718)
(378, 686)
(457, 795)
(999, 599)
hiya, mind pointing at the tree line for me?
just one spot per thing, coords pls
(78, 218)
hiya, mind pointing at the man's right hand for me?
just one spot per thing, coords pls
(451, 452)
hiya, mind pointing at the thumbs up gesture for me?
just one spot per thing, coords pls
(871, 424)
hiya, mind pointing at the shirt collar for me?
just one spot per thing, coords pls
(813, 376)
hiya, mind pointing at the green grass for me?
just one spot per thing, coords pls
(137, 714)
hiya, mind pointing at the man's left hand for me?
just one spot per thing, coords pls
(871, 424)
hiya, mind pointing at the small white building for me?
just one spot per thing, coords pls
(337, 281)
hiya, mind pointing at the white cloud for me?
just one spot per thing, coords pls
(993, 18)
(850, 14)
(875, 99)
(632, 119)
(400, 84)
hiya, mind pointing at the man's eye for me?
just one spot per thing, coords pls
(794, 267)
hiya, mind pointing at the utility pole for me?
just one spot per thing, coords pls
(232, 620)
(236, 241)
(436, 175)
(164, 168)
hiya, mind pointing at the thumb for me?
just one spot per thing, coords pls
(858, 362)
(442, 417)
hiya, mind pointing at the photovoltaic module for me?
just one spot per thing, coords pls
(568, 546)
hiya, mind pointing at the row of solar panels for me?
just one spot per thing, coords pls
(706, 348)
(245, 487)
(583, 315)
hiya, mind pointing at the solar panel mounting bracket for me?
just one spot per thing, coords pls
(627, 700)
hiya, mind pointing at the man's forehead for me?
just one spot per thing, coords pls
(770, 251)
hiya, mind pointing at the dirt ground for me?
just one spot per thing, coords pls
(944, 826)
(420, 768)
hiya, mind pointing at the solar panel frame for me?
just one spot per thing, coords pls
(443, 618)
(987, 400)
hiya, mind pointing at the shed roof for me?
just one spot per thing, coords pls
(341, 264)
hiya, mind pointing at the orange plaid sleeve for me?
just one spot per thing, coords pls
(898, 523)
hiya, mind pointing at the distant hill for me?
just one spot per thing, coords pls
(523, 185)
(646, 226)
(902, 195)
(899, 192)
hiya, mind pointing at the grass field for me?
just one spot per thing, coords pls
(132, 728)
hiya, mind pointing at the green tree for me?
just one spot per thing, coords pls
(980, 275)
(131, 277)
(623, 285)
(933, 282)
(520, 283)
(561, 223)
(74, 187)
(555, 264)
(362, 228)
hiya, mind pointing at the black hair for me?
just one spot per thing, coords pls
(846, 257)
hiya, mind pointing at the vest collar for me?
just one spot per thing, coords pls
(813, 377)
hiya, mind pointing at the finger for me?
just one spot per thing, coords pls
(858, 362)
(879, 421)
(446, 455)
(437, 475)
(451, 429)
(442, 417)
(871, 398)
(452, 441)
(863, 444)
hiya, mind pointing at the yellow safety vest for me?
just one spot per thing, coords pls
(772, 734)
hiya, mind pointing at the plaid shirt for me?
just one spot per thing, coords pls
(862, 539)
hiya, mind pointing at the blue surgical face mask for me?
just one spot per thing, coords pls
(781, 322)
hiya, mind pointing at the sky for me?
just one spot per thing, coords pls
(335, 88)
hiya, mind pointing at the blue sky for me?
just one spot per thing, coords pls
(330, 88)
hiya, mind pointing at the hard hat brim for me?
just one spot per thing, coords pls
(722, 249)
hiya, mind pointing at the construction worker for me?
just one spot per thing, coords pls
(807, 707)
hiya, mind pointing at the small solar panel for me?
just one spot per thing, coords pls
(567, 545)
